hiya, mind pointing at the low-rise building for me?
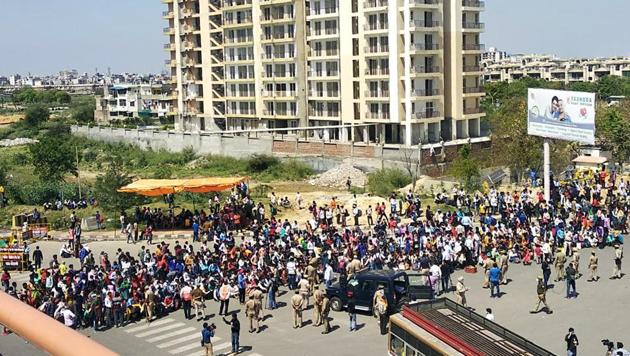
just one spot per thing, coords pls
(552, 68)
(120, 102)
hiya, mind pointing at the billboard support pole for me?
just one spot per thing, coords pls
(546, 166)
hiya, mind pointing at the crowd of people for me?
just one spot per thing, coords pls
(246, 253)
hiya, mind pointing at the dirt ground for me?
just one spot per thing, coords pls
(10, 118)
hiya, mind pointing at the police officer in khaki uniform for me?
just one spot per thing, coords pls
(311, 275)
(503, 264)
(305, 289)
(296, 304)
(576, 262)
(592, 268)
(318, 295)
(487, 264)
(460, 291)
(250, 312)
(354, 266)
(561, 259)
(325, 305)
(541, 291)
(258, 299)
(618, 257)
(380, 306)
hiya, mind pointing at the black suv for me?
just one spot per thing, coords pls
(362, 286)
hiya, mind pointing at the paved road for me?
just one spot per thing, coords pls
(600, 311)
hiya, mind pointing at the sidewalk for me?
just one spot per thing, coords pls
(117, 236)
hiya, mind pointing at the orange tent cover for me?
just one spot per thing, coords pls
(156, 187)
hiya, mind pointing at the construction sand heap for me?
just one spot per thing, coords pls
(338, 176)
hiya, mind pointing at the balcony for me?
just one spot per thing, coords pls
(426, 92)
(281, 55)
(427, 114)
(326, 32)
(279, 113)
(469, 69)
(474, 3)
(168, 30)
(425, 69)
(384, 49)
(322, 53)
(426, 47)
(279, 75)
(169, 46)
(323, 73)
(426, 24)
(237, 40)
(384, 94)
(280, 94)
(424, 2)
(369, 4)
(167, 14)
(237, 21)
(473, 110)
(322, 113)
(376, 27)
(377, 71)
(324, 94)
(473, 26)
(278, 36)
(473, 47)
(377, 115)
(323, 11)
(236, 3)
(473, 90)
(279, 17)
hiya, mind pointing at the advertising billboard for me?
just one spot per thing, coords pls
(560, 114)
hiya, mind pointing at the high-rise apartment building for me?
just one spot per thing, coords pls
(397, 71)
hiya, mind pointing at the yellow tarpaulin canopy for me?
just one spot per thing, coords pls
(156, 187)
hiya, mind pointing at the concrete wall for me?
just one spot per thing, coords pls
(320, 155)
(201, 143)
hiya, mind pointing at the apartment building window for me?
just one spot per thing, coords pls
(317, 48)
(317, 28)
(355, 68)
(332, 69)
(291, 30)
(372, 22)
(267, 13)
(355, 5)
(355, 46)
(355, 25)
(357, 111)
(331, 48)
(356, 91)
(384, 65)
(331, 27)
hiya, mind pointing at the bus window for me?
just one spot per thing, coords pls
(397, 346)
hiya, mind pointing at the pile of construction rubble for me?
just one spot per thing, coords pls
(338, 176)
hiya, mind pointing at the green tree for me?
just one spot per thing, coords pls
(53, 157)
(36, 114)
(83, 110)
(613, 129)
(107, 185)
(466, 169)
(609, 86)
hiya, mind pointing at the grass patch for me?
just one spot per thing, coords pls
(385, 181)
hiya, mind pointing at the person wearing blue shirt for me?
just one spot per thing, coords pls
(206, 338)
(494, 275)
(195, 227)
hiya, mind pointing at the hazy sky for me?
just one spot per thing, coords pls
(47, 36)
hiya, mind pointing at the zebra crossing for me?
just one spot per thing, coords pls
(175, 338)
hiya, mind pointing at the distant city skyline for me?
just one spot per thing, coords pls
(127, 35)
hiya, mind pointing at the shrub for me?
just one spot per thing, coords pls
(292, 170)
(384, 181)
(260, 163)
(40, 192)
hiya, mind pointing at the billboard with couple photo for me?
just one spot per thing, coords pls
(563, 115)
